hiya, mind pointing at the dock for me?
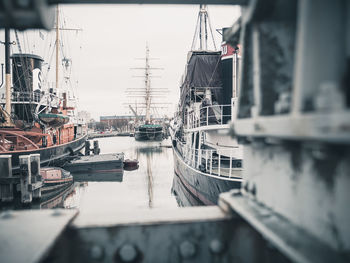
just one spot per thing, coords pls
(104, 163)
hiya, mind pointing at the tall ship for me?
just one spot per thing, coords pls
(206, 159)
(36, 117)
(148, 129)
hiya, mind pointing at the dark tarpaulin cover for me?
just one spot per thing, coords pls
(203, 70)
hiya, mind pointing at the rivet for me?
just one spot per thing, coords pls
(128, 253)
(216, 246)
(96, 252)
(187, 249)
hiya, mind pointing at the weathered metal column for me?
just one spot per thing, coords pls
(6, 187)
(36, 182)
(30, 177)
(8, 78)
(26, 195)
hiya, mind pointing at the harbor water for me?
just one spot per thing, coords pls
(149, 186)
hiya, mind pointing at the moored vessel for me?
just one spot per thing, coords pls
(36, 118)
(206, 160)
(148, 129)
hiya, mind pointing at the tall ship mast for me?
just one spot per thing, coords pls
(150, 128)
(206, 160)
(37, 117)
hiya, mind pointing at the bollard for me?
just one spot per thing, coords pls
(87, 147)
(36, 182)
(96, 148)
(25, 173)
(30, 177)
(6, 188)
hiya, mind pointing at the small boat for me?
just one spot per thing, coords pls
(131, 165)
(55, 175)
(53, 119)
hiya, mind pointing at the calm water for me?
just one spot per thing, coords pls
(147, 187)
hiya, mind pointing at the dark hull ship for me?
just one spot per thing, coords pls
(148, 129)
(207, 161)
(149, 132)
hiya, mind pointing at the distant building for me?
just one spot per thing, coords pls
(120, 121)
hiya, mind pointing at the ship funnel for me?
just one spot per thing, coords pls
(26, 73)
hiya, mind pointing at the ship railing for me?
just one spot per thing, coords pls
(26, 96)
(209, 116)
(213, 162)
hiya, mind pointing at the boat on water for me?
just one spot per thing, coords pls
(148, 129)
(149, 132)
(36, 118)
(206, 160)
(55, 176)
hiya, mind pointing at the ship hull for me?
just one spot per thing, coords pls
(53, 156)
(149, 136)
(196, 188)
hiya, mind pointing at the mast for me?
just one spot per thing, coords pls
(202, 27)
(8, 78)
(57, 45)
(203, 34)
(148, 87)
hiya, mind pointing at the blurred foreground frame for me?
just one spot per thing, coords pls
(293, 118)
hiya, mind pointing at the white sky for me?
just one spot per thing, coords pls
(114, 35)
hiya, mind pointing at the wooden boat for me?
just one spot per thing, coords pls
(55, 175)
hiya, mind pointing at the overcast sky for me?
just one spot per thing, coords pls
(114, 35)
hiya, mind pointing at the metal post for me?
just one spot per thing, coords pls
(221, 113)
(206, 160)
(96, 148)
(199, 159)
(230, 172)
(87, 147)
(211, 161)
(36, 182)
(8, 78)
(207, 115)
(219, 164)
(26, 178)
(6, 189)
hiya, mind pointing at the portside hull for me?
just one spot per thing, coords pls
(53, 156)
(196, 187)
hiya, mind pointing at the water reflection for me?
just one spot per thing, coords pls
(147, 187)
(152, 185)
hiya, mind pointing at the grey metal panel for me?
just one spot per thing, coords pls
(212, 2)
(293, 241)
(26, 236)
(205, 234)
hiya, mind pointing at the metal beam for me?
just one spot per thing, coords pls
(195, 2)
